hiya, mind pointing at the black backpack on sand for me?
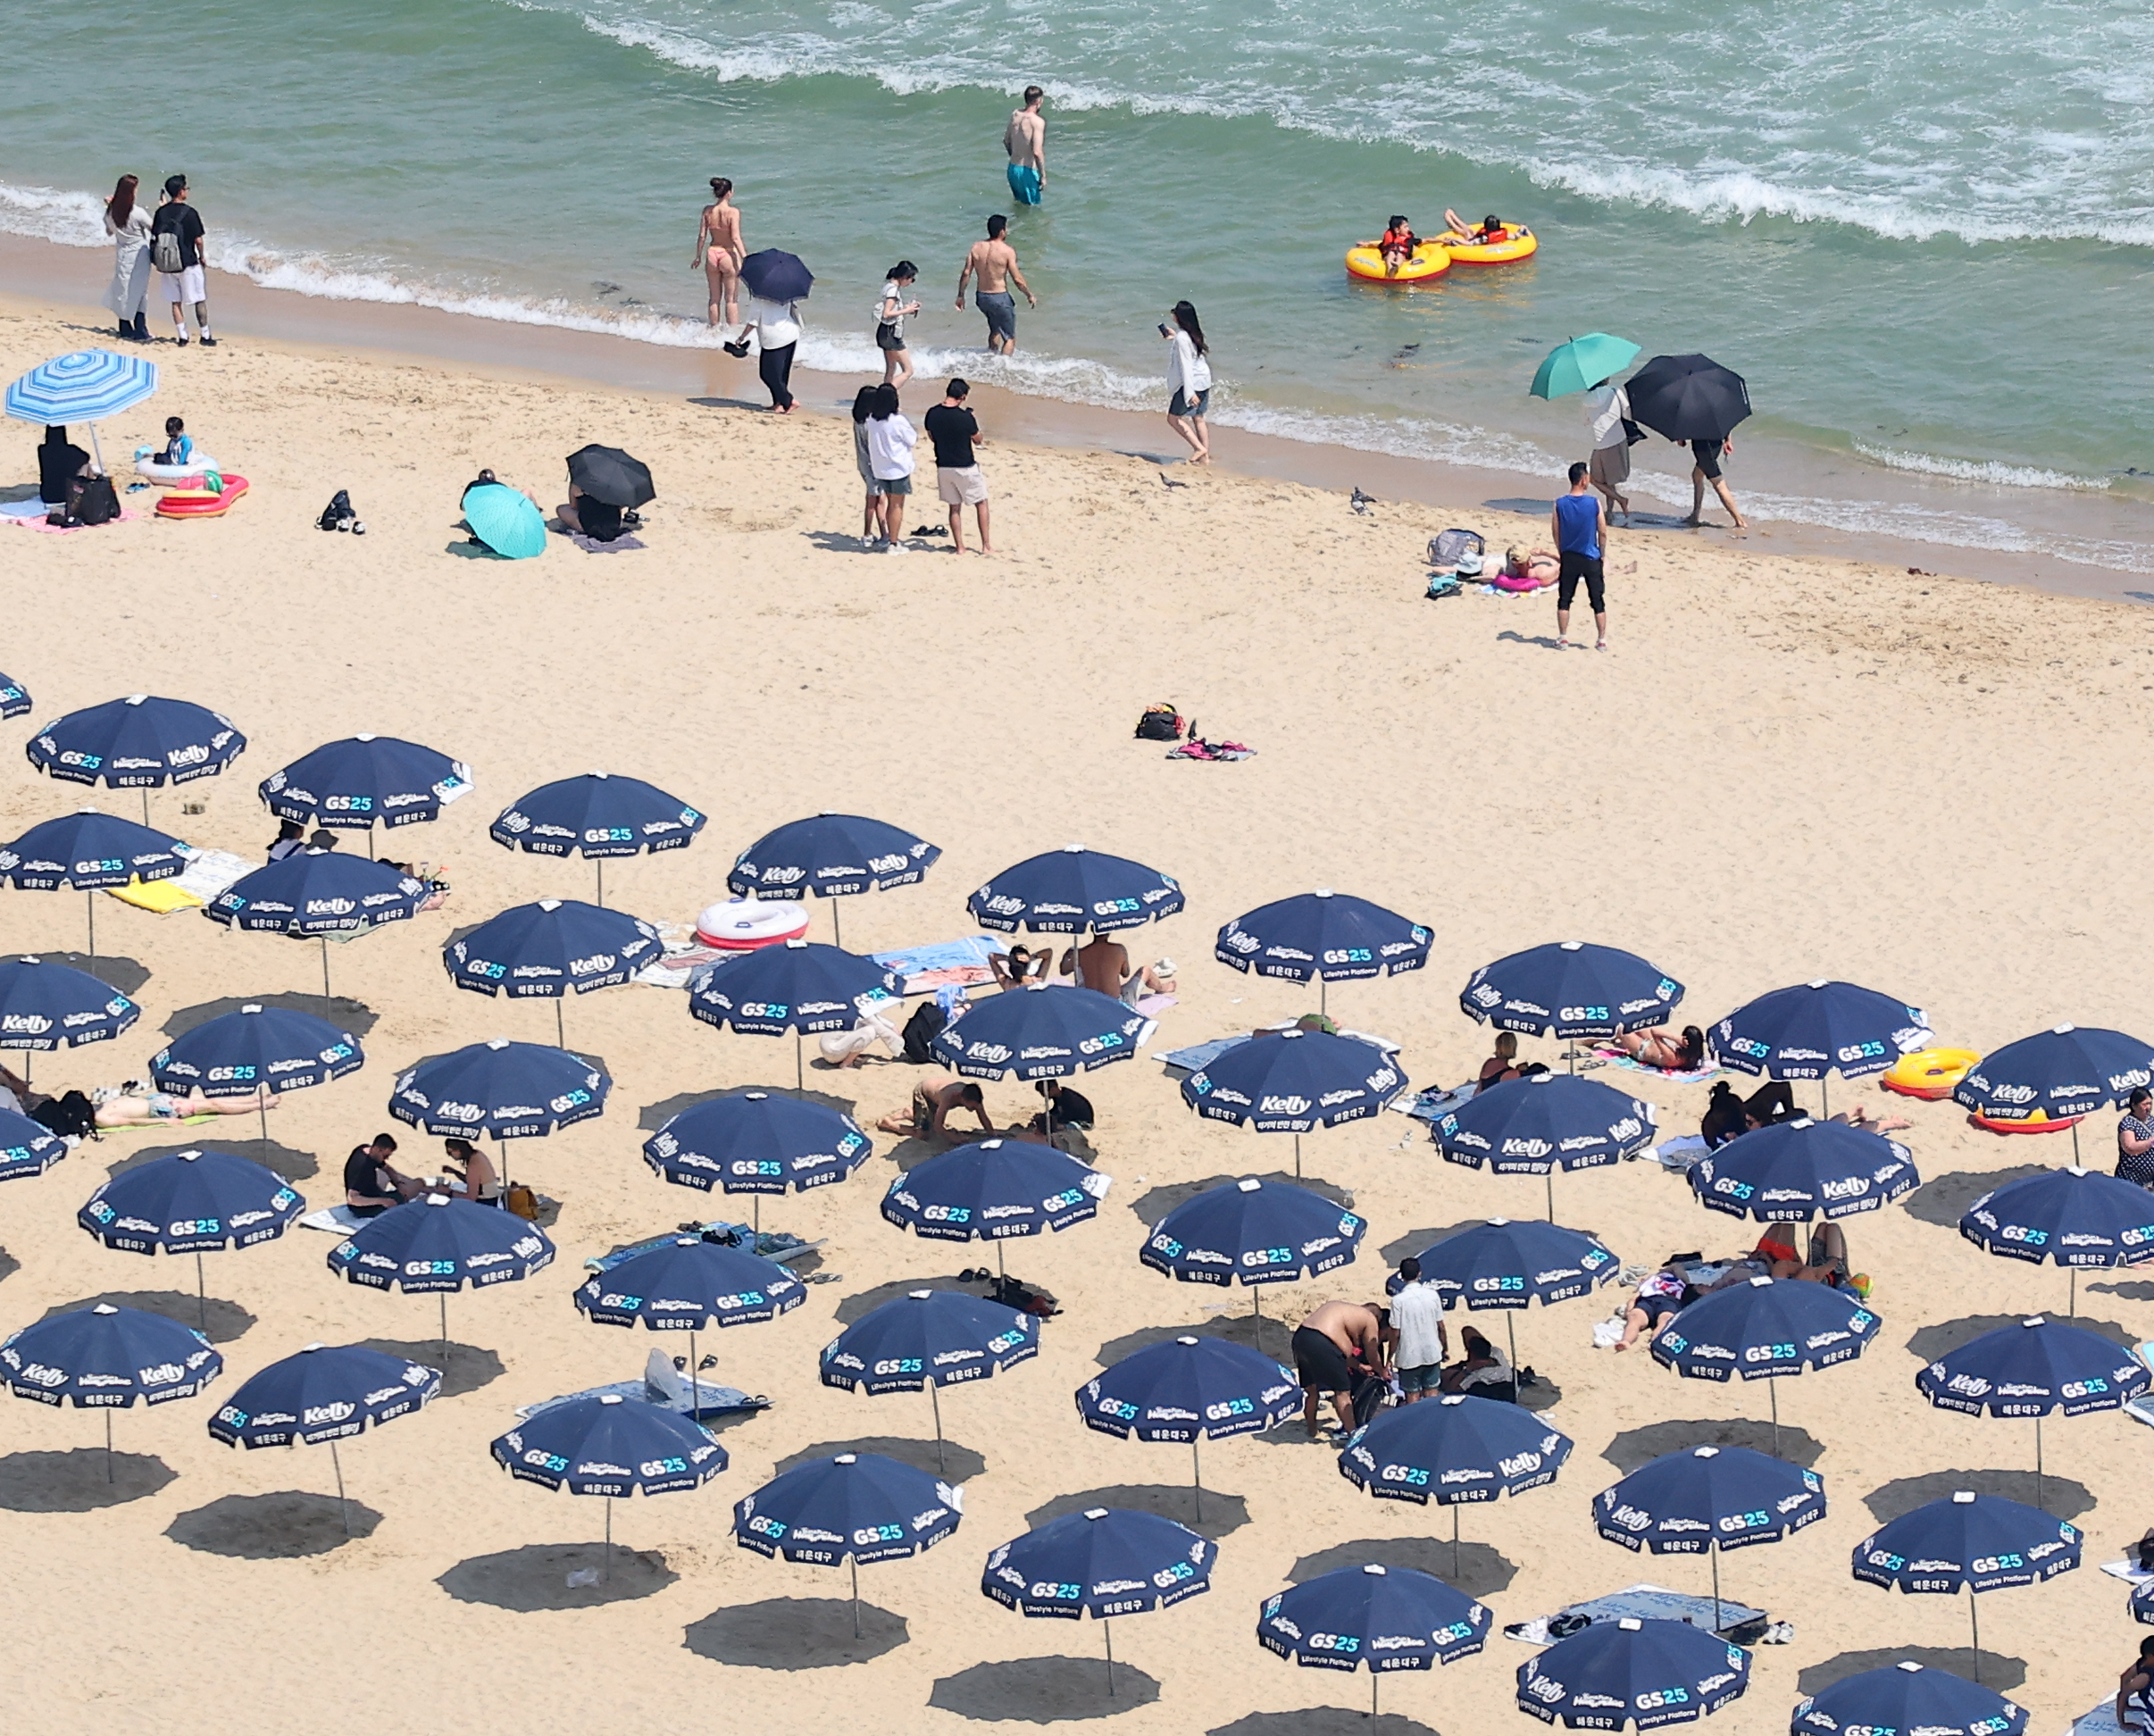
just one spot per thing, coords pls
(921, 1029)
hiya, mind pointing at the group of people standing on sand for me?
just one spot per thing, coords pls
(166, 242)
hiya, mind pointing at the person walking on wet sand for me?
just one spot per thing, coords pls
(993, 264)
(1025, 140)
(1707, 455)
(1579, 524)
(719, 251)
(1324, 1346)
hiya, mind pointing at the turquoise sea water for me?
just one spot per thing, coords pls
(1925, 233)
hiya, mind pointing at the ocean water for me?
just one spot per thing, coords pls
(1923, 233)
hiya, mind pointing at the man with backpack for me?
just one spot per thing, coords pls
(176, 237)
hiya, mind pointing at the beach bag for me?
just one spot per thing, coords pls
(165, 252)
(69, 1115)
(1160, 722)
(98, 503)
(1457, 551)
(1443, 584)
(921, 1028)
(519, 1200)
(1025, 1298)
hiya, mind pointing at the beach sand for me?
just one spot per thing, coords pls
(1783, 770)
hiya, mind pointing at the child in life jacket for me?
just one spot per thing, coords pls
(1398, 244)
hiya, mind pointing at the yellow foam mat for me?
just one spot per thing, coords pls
(162, 896)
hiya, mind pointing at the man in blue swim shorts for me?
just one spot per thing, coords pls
(1025, 139)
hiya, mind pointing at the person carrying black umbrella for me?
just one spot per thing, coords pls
(1707, 455)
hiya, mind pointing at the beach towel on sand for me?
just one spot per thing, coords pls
(1618, 1059)
(1644, 1602)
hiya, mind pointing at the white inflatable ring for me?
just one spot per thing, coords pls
(152, 470)
(745, 924)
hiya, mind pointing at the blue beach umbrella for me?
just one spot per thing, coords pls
(85, 852)
(994, 1189)
(364, 781)
(325, 1393)
(1257, 1234)
(552, 949)
(612, 1446)
(511, 1090)
(83, 386)
(1645, 1674)
(1512, 1265)
(2142, 1603)
(690, 1285)
(256, 1049)
(505, 520)
(1706, 1499)
(107, 1359)
(775, 275)
(1570, 988)
(1103, 1563)
(1797, 1170)
(1578, 362)
(2057, 1076)
(1976, 1543)
(802, 986)
(1072, 889)
(1453, 1450)
(1040, 1033)
(140, 742)
(1907, 1696)
(27, 1148)
(596, 815)
(832, 856)
(1190, 1389)
(2030, 1370)
(1544, 1123)
(1764, 1329)
(755, 1142)
(1816, 1029)
(1388, 1618)
(54, 1006)
(854, 1508)
(931, 1338)
(319, 893)
(14, 698)
(1293, 1082)
(436, 1244)
(1322, 936)
(2075, 1217)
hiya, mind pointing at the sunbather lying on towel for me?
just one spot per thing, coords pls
(1663, 1048)
(136, 1104)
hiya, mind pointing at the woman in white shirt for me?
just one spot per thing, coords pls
(127, 222)
(890, 441)
(1190, 376)
(777, 328)
(890, 310)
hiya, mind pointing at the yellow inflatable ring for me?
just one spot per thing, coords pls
(1518, 243)
(1429, 261)
(1929, 1073)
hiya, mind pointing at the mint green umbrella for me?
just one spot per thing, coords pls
(505, 520)
(1581, 363)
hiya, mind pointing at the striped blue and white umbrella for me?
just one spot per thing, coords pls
(83, 387)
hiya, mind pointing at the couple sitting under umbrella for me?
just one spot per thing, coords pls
(1684, 1278)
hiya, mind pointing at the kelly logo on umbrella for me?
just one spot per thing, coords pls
(56, 1006)
(550, 950)
(1040, 1033)
(832, 856)
(107, 1359)
(1293, 1082)
(140, 742)
(1792, 1171)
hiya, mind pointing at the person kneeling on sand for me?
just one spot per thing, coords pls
(1326, 1345)
(936, 1096)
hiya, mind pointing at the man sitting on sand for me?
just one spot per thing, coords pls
(372, 1185)
(1103, 963)
(1326, 1345)
(935, 1098)
(1482, 1370)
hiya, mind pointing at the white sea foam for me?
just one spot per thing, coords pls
(1988, 473)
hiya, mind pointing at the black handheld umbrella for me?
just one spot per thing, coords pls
(609, 474)
(776, 275)
(1687, 397)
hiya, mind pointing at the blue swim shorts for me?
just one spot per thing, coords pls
(1024, 183)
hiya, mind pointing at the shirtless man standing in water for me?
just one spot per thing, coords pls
(993, 262)
(719, 251)
(1025, 139)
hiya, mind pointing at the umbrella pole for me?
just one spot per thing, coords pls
(1713, 1549)
(201, 1295)
(1773, 1387)
(1373, 1693)
(1455, 1570)
(837, 930)
(855, 1561)
(146, 804)
(1548, 1176)
(935, 1399)
(2075, 1145)
(444, 1300)
(1298, 1157)
(1324, 994)
(999, 1273)
(1197, 1475)
(1510, 1332)
(599, 863)
(695, 1391)
(1975, 1631)
(605, 1572)
(1107, 1632)
(2038, 1462)
(262, 1112)
(561, 1041)
(799, 1066)
(90, 903)
(755, 1210)
(325, 986)
(108, 1446)
(2072, 1307)
(343, 1512)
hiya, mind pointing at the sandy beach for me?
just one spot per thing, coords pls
(1784, 769)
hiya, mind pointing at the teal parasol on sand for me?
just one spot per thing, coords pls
(505, 520)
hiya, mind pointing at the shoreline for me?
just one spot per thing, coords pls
(51, 276)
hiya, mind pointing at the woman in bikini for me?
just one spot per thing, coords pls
(1664, 1049)
(719, 251)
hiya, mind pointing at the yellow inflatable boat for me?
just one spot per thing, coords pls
(1430, 260)
(1516, 242)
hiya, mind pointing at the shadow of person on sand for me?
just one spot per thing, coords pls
(1541, 640)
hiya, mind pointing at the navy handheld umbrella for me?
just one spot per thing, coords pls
(832, 855)
(931, 1338)
(1295, 1081)
(1978, 1543)
(1907, 1696)
(1687, 397)
(552, 949)
(56, 1006)
(612, 1446)
(1511, 1265)
(1190, 1389)
(1706, 1499)
(1797, 1170)
(86, 852)
(2057, 1076)
(994, 1189)
(107, 1359)
(1452, 1450)
(1645, 1674)
(1387, 1618)
(2030, 1370)
(1322, 936)
(253, 1052)
(755, 1142)
(801, 987)
(1764, 1329)
(14, 698)
(1073, 889)
(365, 781)
(609, 474)
(139, 742)
(437, 1244)
(1103, 1563)
(854, 1507)
(189, 1203)
(690, 1285)
(319, 892)
(324, 1393)
(1256, 1234)
(1544, 1123)
(1040, 1033)
(511, 1090)
(1815, 1028)
(2076, 1217)
(596, 815)
(27, 1148)
(1570, 988)
(777, 276)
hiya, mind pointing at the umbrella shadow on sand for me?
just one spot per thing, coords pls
(292, 1165)
(656, 1114)
(116, 971)
(795, 1633)
(354, 1016)
(1273, 1338)
(1155, 1205)
(963, 1463)
(1634, 1448)
(2136, 1290)
(863, 1303)
(278, 1527)
(1042, 1690)
(1998, 1671)
(1223, 1514)
(464, 1367)
(1323, 1721)
(538, 1576)
(79, 1481)
(227, 1320)
(1932, 1342)
(8, 1264)
(1480, 1570)
(2061, 1495)
(1944, 1199)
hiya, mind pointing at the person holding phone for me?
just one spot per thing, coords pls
(1189, 374)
